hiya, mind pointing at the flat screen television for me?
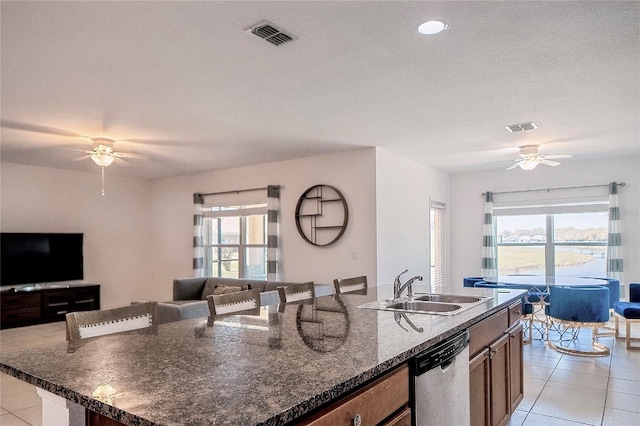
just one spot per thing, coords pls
(32, 258)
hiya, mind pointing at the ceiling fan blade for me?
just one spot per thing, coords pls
(84, 157)
(502, 161)
(120, 162)
(549, 163)
(128, 155)
(555, 156)
(513, 166)
(17, 125)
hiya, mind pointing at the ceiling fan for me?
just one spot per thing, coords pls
(103, 154)
(529, 158)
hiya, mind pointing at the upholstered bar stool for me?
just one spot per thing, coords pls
(571, 308)
(245, 302)
(630, 313)
(85, 324)
(355, 285)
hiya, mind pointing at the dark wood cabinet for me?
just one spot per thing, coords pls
(496, 368)
(41, 305)
(384, 402)
(516, 370)
(18, 308)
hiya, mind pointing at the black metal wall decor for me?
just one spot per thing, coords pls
(321, 215)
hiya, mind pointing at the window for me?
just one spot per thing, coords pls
(436, 243)
(553, 243)
(235, 241)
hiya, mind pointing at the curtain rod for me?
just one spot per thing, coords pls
(551, 189)
(237, 191)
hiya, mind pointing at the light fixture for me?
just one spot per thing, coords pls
(528, 165)
(432, 27)
(102, 159)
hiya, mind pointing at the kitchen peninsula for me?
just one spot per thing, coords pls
(271, 369)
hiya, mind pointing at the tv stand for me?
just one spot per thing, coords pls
(38, 304)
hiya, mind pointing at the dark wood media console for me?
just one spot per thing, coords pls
(48, 303)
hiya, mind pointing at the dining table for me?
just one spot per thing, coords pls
(538, 295)
(540, 281)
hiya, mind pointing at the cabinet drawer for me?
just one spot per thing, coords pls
(488, 330)
(402, 419)
(16, 315)
(374, 403)
(21, 300)
(515, 313)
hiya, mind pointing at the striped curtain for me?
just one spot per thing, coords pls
(614, 249)
(489, 261)
(273, 205)
(198, 241)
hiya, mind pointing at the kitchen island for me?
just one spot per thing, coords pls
(271, 369)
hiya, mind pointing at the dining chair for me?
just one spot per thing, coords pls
(297, 292)
(85, 324)
(470, 281)
(245, 302)
(355, 285)
(630, 313)
(571, 308)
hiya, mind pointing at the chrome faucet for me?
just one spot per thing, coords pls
(409, 286)
(397, 284)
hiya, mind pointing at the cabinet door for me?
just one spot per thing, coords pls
(516, 388)
(86, 298)
(479, 389)
(500, 381)
(57, 303)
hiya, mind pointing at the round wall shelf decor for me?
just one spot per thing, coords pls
(321, 215)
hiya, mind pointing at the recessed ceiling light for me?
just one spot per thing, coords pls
(432, 27)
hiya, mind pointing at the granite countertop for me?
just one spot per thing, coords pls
(250, 370)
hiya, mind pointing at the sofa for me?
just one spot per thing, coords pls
(190, 295)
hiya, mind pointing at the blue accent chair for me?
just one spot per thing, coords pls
(630, 313)
(470, 281)
(614, 289)
(571, 308)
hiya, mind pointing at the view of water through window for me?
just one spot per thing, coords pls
(559, 244)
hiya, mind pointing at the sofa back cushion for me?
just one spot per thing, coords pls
(216, 285)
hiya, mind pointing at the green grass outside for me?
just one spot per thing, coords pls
(514, 259)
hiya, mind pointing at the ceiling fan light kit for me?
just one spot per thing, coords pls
(529, 158)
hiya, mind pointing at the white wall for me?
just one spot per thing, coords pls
(352, 172)
(467, 205)
(404, 189)
(116, 227)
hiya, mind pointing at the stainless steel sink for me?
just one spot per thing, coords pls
(448, 298)
(421, 306)
(430, 303)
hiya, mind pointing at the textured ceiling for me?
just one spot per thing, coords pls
(183, 84)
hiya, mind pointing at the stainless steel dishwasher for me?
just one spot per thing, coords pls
(441, 383)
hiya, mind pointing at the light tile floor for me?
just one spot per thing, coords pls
(558, 390)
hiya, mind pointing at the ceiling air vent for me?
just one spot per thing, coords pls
(271, 33)
(520, 127)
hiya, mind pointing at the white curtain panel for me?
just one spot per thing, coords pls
(614, 249)
(489, 251)
(198, 242)
(273, 251)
